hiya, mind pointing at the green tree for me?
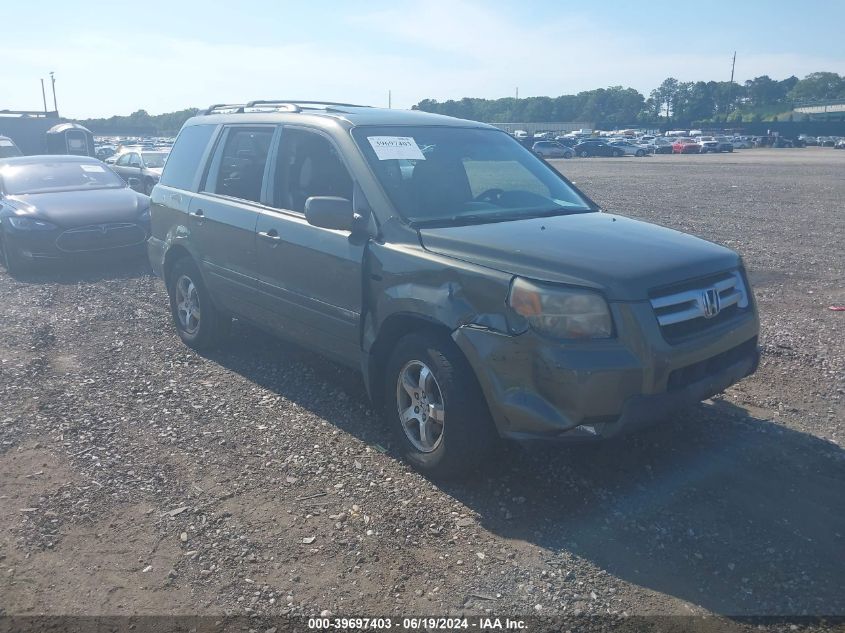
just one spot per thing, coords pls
(819, 86)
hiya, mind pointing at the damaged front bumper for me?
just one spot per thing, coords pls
(541, 389)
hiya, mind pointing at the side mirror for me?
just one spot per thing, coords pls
(330, 212)
(134, 183)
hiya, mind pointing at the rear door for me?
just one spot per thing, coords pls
(223, 215)
(310, 277)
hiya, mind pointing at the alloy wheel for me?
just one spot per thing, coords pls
(187, 304)
(420, 406)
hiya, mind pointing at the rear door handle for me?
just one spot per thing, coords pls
(198, 213)
(271, 236)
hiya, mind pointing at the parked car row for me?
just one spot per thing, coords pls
(480, 293)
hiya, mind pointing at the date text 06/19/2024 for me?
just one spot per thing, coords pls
(417, 624)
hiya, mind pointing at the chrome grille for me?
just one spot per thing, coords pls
(97, 237)
(700, 305)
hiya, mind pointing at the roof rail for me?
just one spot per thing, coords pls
(219, 108)
(276, 105)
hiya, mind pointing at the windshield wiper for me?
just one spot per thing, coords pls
(500, 216)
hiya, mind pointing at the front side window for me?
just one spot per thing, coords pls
(240, 163)
(443, 175)
(58, 176)
(308, 165)
(134, 160)
(123, 161)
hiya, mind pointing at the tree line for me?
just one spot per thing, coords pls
(672, 102)
(141, 123)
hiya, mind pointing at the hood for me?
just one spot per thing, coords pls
(156, 170)
(623, 258)
(69, 209)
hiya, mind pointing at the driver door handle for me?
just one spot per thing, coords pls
(271, 236)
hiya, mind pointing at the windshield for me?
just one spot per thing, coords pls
(58, 176)
(442, 175)
(154, 160)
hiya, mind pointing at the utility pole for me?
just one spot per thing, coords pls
(44, 95)
(55, 103)
(728, 102)
(517, 93)
(389, 99)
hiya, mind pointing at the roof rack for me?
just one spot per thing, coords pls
(276, 105)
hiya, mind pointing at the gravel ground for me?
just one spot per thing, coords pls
(140, 477)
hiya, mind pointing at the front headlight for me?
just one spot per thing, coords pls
(561, 312)
(22, 223)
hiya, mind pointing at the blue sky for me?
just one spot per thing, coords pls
(117, 56)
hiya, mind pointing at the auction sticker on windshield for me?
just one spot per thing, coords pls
(94, 169)
(396, 148)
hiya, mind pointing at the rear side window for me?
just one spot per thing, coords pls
(184, 160)
(238, 167)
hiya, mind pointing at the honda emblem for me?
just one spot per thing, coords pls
(710, 303)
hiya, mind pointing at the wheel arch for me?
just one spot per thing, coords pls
(390, 332)
(174, 254)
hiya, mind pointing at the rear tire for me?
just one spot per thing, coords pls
(435, 408)
(617, 153)
(198, 322)
(640, 153)
(584, 154)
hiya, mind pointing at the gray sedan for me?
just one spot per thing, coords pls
(141, 169)
(551, 149)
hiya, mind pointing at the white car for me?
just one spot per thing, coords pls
(520, 134)
(708, 144)
(740, 143)
(632, 149)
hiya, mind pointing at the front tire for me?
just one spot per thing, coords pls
(198, 322)
(617, 153)
(640, 153)
(435, 407)
(148, 187)
(584, 154)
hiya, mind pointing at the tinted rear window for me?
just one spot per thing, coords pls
(184, 160)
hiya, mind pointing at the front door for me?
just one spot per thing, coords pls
(310, 277)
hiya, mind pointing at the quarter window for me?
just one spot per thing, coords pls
(184, 161)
